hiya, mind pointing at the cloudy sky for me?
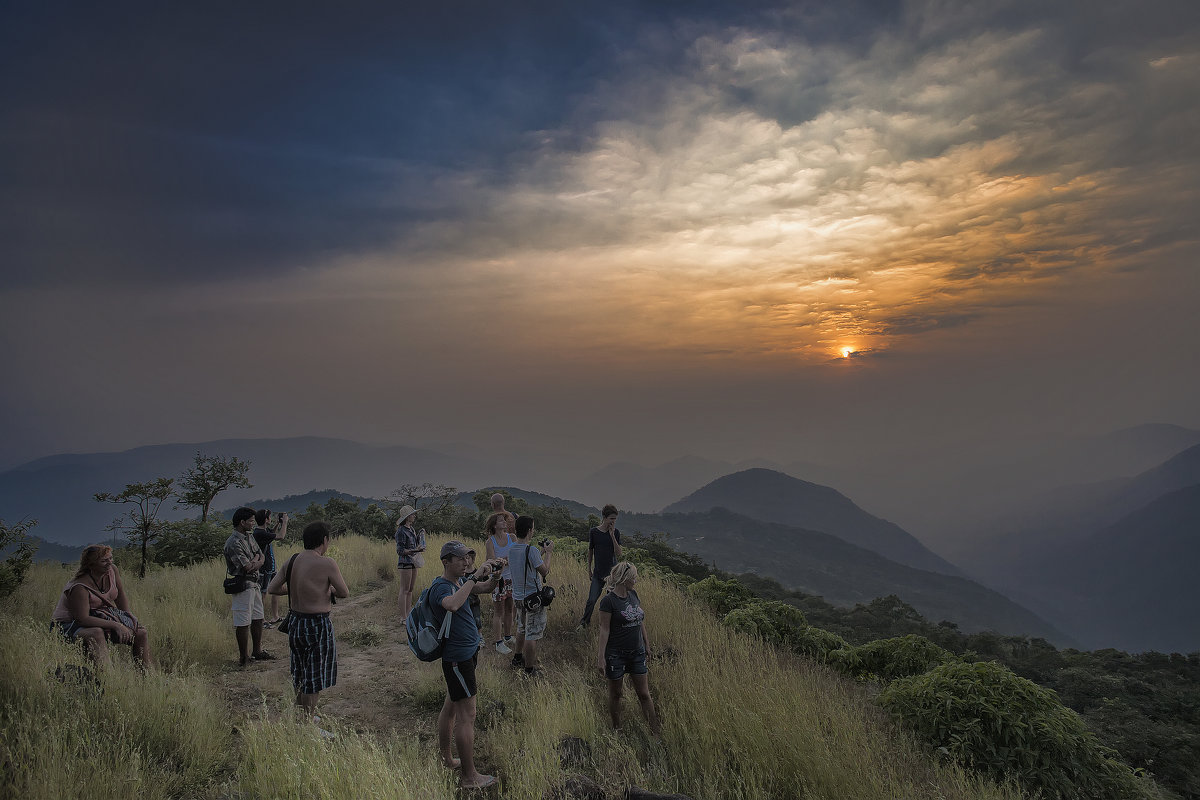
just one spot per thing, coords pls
(629, 230)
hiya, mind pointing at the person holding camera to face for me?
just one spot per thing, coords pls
(265, 538)
(451, 593)
(530, 564)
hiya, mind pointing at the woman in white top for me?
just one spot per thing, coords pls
(499, 528)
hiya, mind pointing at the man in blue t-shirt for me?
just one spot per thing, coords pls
(449, 594)
(604, 550)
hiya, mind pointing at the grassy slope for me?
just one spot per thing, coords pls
(739, 721)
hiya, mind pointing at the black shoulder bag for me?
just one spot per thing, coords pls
(284, 626)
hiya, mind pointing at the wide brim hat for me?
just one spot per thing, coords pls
(406, 512)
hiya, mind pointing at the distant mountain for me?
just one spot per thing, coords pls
(844, 574)
(48, 551)
(58, 490)
(774, 497)
(1064, 519)
(296, 503)
(631, 486)
(1132, 585)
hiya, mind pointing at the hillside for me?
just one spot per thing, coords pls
(1131, 585)
(197, 726)
(844, 574)
(576, 509)
(771, 496)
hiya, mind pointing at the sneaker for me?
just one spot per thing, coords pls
(268, 625)
(534, 672)
(502, 648)
(518, 660)
(508, 640)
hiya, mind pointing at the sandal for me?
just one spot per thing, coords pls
(262, 655)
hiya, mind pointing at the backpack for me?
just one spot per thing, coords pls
(425, 638)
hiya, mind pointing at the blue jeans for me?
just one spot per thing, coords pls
(593, 596)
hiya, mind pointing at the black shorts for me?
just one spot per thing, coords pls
(460, 678)
(264, 580)
(618, 662)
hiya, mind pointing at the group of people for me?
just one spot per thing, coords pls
(512, 573)
(94, 609)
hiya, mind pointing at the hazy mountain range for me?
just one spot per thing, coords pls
(1098, 556)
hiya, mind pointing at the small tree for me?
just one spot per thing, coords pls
(141, 522)
(208, 477)
(13, 568)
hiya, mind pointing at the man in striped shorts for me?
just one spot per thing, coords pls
(314, 580)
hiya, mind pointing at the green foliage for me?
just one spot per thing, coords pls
(816, 643)
(720, 596)
(771, 620)
(190, 541)
(14, 567)
(140, 522)
(984, 716)
(208, 476)
(656, 548)
(889, 659)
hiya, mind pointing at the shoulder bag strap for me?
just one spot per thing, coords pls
(287, 578)
(444, 631)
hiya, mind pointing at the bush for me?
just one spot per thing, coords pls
(888, 659)
(720, 596)
(993, 721)
(772, 620)
(816, 643)
(14, 567)
(190, 541)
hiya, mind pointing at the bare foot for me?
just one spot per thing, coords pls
(480, 781)
(451, 762)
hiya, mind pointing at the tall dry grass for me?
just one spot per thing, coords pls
(739, 719)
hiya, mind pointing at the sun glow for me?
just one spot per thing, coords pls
(847, 351)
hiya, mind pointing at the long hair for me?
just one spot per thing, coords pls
(90, 558)
(619, 574)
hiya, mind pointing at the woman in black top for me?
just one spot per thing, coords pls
(624, 644)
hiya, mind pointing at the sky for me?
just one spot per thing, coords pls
(818, 231)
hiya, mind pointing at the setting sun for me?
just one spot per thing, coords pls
(847, 351)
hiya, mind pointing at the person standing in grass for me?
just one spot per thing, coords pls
(408, 554)
(315, 579)
(604, 550)
(244, 559)
(265, 538)
(624, 644)
(529, 567)
(450, 594)
(94, 608)
(499, 528)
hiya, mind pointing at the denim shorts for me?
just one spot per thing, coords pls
(618, 662)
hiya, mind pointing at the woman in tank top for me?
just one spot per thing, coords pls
(499, 529)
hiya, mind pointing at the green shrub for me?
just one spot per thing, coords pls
(816, 643)
(889, 659)
(1003, 725)
(14, 567)
(720, 596)
(773, 620)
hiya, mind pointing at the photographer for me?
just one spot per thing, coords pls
(451, 593)
(529, 565)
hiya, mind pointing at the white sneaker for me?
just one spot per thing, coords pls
(508, 640)
(502, 648)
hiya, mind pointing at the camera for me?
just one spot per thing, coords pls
(542, 598)
(545, 540)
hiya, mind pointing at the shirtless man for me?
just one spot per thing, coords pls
(315, 580)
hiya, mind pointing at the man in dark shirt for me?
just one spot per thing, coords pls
(265, 538)
(604, 550)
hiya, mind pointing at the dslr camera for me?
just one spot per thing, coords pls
(545, 540)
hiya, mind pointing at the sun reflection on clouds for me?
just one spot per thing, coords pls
(926, 189)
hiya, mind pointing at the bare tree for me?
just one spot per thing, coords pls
(208, 477)
(140, 523)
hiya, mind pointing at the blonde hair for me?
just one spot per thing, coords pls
(621, 573)
(90, 558)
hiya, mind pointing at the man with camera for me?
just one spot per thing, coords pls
(529, 565)
(451, 593)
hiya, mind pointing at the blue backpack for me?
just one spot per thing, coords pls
(425, 638)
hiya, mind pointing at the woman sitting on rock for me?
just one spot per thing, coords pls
(93, 607)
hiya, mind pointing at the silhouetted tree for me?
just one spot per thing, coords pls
(208, 477)
(140, 522)
(13, 568)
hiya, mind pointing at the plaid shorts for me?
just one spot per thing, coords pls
(313, 652)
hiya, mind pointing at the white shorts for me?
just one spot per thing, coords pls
(531, 624)
(247, 606)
